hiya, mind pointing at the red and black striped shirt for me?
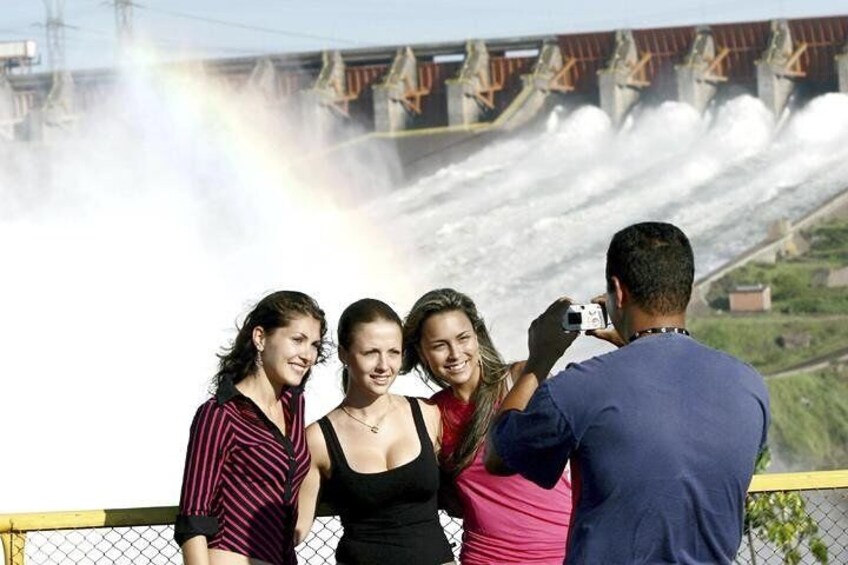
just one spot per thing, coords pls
(242, 476)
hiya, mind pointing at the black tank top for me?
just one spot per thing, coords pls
(392, 516)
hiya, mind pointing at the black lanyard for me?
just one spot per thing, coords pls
(662, 330)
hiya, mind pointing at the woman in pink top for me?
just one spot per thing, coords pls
(505, 519)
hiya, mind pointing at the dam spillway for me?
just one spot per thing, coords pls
(399, 88)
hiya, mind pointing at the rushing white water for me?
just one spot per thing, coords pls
(527, 220)
(130, 243)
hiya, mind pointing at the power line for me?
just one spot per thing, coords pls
(18, 31)
(283, 32)
(103, 37)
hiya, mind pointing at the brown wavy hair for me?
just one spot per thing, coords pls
(493, 384)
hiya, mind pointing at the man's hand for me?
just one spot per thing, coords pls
(609, 334)
(547, 340)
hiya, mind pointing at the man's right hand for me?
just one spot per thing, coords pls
(608, 334)
(547, 340)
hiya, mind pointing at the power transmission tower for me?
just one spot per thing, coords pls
(123, 22)
(54, 27)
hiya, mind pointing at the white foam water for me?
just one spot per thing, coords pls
(529, 219)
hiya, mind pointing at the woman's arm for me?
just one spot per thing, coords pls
(208, 443)
(308, 497)
(195, 551)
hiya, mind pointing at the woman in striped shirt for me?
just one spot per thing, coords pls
(247, 452)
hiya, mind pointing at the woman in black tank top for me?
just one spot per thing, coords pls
(374, 456)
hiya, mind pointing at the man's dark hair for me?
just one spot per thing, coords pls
(654, 261)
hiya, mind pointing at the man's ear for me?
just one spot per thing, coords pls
(620, 293)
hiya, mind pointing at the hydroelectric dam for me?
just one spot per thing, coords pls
(433, 103)
(143, 208)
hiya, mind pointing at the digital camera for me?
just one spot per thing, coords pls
(582, 317)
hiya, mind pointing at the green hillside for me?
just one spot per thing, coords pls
(808, 323)
(810, 419)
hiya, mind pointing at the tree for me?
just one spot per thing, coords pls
(781, 518)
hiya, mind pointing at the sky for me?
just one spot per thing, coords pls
(223, 28)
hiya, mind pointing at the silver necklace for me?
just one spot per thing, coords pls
(375, 428)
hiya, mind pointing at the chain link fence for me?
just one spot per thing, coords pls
(827, 510)
(154, 545)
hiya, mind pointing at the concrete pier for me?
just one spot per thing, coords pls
(397, 98)
(7, 108)
(263, 80)
(777, 69)
(547, 76)
(621, 81)
(842, 68)
(698, 77)
(60, 106)
(327, 95)
(326, 102)
(465, 104)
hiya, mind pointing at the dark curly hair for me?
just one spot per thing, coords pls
(274, 311)
(654, 260)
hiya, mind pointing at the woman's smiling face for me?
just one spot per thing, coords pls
(450, 349)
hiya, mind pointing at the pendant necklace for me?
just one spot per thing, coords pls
(375, 428)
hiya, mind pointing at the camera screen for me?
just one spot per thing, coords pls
(575, 318)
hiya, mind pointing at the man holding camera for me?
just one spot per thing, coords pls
(662, 433)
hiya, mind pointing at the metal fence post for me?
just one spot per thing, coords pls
(14, 544)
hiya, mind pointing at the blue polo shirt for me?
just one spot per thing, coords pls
(663, 435)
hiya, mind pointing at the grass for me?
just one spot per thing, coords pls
(754, 338)
(809, 427)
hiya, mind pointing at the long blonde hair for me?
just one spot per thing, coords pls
(493, 384)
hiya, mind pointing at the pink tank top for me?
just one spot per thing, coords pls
(505, 519)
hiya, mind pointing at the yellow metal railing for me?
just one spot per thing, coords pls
(14, 528)
(811, 480)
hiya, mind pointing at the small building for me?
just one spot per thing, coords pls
(750, 298)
